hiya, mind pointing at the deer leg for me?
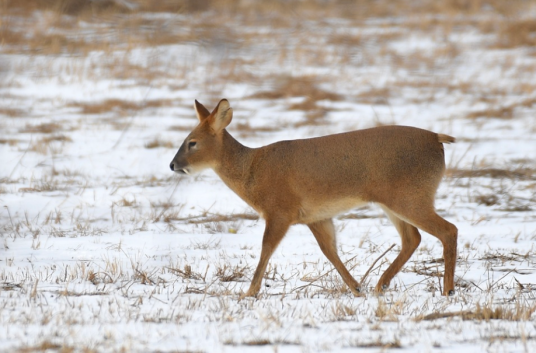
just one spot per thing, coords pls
(324, 232)
(411, 239)
(429, 221)
(273, 234)
(447, 233)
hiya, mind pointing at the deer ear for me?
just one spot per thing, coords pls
(201, 111)
(221, 116)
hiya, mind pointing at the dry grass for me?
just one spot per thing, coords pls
(524, 173)
(45, 184)
(69, 7)
(488, 200)
(302, 86)
(188, 273)
(244, 128)
(12, 112)
(384, 345)
(43, 128)
(487, 312)
(505, 113)
(119, 106)
(11, 142)
(50, 144)
(306, 87)
(228, 273)
(209, 217)
(341, 7)
(516, 32)
(158, 143)
(379, 95)
(46, 346)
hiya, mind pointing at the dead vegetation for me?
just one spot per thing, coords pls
(302, 86)
(227, 273)
(374, 95)
(157, 143)
(131, 30)
(10, 142)
(520, 173)
(214, 218)
(487, 312)
(515, 33)
(47, 346)
(12, 112)
(43, 128)
(187, 273)
(120, 106)
(49, 144)
(505, 113)
(305, 87)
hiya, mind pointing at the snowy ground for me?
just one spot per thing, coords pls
(105, 250)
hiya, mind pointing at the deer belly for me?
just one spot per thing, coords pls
(312, 211)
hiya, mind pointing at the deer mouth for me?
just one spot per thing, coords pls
(173, 166)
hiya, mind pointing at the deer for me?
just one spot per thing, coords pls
(310, 181)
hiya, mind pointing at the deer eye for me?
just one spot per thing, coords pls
(192, 144)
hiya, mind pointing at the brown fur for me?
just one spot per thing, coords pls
(312, 180)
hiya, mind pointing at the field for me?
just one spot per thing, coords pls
(104, 249)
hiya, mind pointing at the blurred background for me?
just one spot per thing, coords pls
(84, 84)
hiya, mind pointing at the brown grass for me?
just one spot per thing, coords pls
(494, 173)
(207, 218)
(11, 142)
(488, 200)
(187, 273)
(157, 143)
(43, 128)
(69, 7)
(227, 273)
(375, 96)
(346, 39)
(46, 346)
(36, 40)
(358, 8)
(44, 145)
(505, 113)
(302, 86)
(487, 312)
(516, 32)
(379, 344)
(11, 112)
(244, 128)
(43, 186)
(119, 105)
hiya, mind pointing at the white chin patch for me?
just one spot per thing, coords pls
(192, 170)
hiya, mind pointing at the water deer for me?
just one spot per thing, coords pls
(309, 181)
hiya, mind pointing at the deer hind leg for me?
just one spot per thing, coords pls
(411, 238)
(447, 233)
(427, 219)
(273, 234)
(324, 232)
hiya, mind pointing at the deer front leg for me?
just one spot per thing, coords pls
(324, 232)
(273, 234)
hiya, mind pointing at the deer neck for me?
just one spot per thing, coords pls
(235, 162)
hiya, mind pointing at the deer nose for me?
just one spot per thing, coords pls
(172, 167)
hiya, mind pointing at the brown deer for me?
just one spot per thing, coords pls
(312, 180)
